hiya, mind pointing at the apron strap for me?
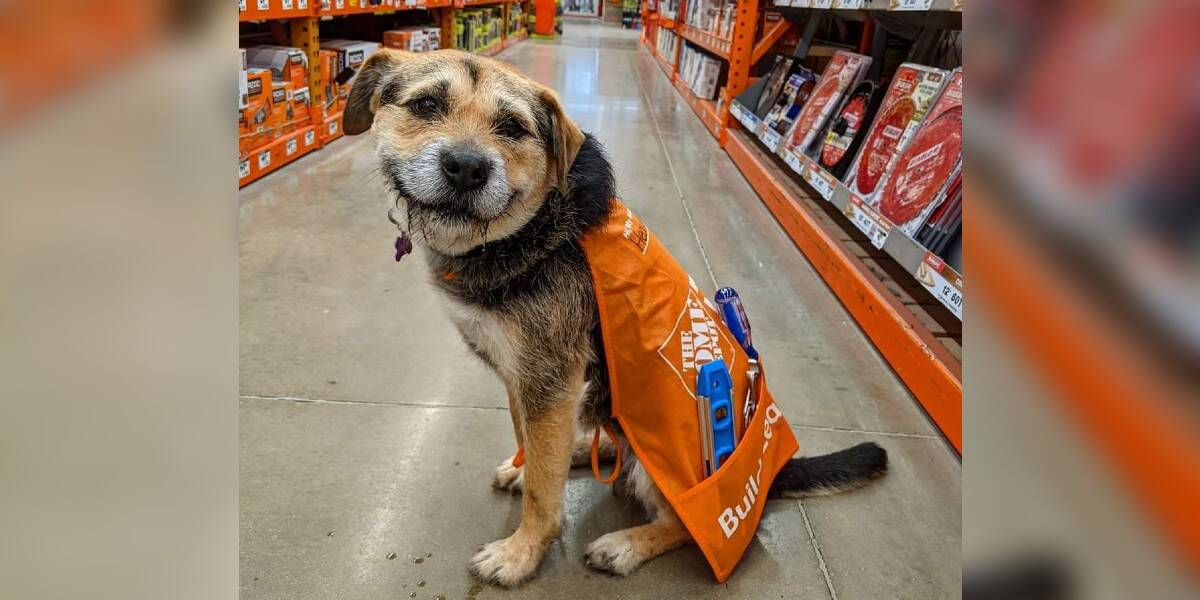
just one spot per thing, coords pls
(596, 454)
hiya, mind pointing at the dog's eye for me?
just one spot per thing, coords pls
(511, 129)
(425, 107)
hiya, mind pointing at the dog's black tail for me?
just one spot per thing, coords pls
(830, 474)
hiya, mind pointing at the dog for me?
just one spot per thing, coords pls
(497, 185)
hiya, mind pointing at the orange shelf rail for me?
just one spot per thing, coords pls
(265, 10)
(270, 157)
(717, 45)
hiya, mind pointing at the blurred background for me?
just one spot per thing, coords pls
(118, 300)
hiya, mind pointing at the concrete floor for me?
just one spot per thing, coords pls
(368, 429)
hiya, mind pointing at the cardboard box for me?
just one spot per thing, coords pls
(243, 90)
(301, 108)
(253, 119)
(285, 62)
(351, 54)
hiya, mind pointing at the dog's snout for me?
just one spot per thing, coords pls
(466, 170)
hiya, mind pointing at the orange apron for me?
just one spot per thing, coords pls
(658, 329)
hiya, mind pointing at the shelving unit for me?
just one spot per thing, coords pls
(905, 298)
(298, 23)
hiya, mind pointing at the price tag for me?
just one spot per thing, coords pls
(820, 180)
(309, 137)
(770, 138)
(949, 292)
(302, 4)
(264, 159)
(863, 217)
(287, 4)
(822, 3)
(290, 147)
(339, 4)
(850, 3)
(801, 3)
(333, 128)
(241, 5)
(910, 5)
(264, 4)
(243, 169)
(794, 162)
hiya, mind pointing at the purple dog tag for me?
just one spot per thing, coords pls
(403, 246)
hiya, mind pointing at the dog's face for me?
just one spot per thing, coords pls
(471, 145)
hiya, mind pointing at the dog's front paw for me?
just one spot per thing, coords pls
(507, 562)
(508, 477)
(615, 553)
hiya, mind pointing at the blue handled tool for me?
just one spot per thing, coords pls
(714, 391)
(735, 318)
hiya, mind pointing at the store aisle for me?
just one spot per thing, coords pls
(368, 430)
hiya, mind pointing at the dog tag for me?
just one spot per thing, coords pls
(403, 246)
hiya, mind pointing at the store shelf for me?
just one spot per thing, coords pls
(331, 128)
(716, 45)
(665, 65)
(921, 360)
(336, 8)
(939, 279)
(265, 10)
(465, 3)
(272, 156)
(666, 23)
(706, 110)
(512, 40)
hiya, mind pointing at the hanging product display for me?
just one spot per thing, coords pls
(775, 80)
(848, 127)
(843, 71)
(924, 171)
(787, 106)
(908, 99)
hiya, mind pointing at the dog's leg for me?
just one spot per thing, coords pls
(581, 452)
(622, 552)
(549, 434)
(509, 477)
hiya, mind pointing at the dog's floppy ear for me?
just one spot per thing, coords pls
(562, 137)
(364, 94)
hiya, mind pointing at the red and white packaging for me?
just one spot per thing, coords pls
(925, 170)
(905, 105)
(844, 70)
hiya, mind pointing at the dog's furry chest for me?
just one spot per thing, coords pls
(487, 334)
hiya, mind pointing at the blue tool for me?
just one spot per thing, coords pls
(735, 318)
(714, 391)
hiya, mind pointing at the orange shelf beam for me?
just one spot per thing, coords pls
(770, 37)
(272, 156)
(708, 41)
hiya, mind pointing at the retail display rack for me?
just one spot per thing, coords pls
(907, 299)
(297, 24)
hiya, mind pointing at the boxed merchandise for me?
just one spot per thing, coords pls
(280, 104)
(252, 120)
(285, 62)
(243, 89)
(413, 39)
(301, 102)
(848, 128)
(844, 70)
(351, 54)
(327, 69)
(924, 171)
(908, 99)
(787, 106)
(775, 80)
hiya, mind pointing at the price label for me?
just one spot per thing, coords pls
(287, 4)
(867, 221)
(850, 3)
(910, 4)
(950, 293)
(243, 169)
(801, 3)
(748, 119)
(333, 128)
(822, 3)
(309, 137)
(264, 4)
(821, 181)
(241, 5)
(794, 162)
(302, 4)
(770, 138)
(339, 4)
(290, 147)
(264, 159)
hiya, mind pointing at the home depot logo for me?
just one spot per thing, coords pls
(635, 231)
(696, 340)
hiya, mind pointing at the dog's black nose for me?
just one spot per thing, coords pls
(466, 170)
